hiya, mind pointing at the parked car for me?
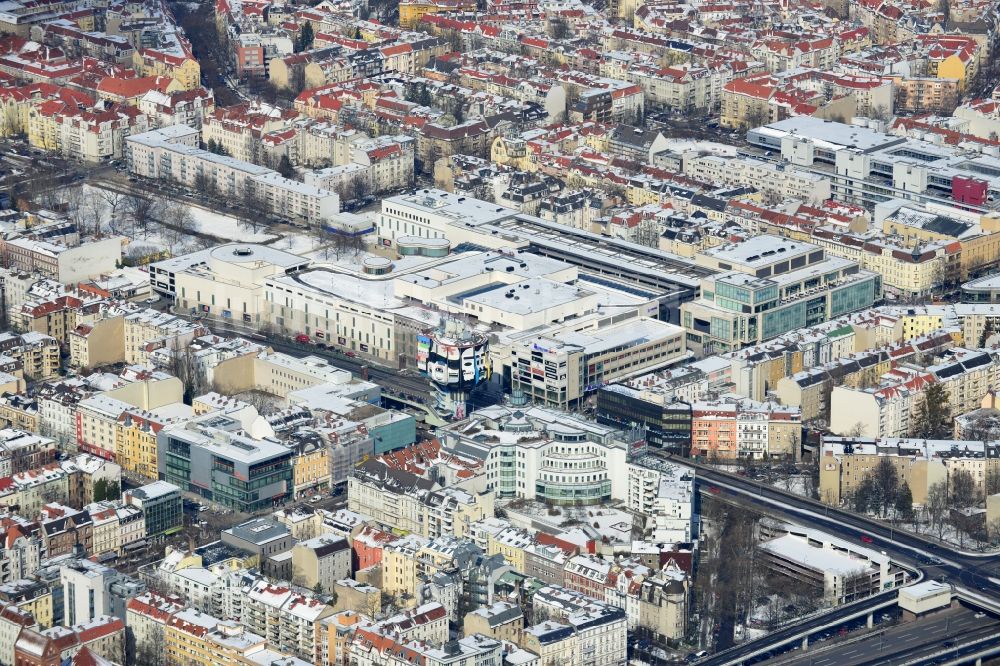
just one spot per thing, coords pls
(302, 339)
(866, 539)
(350, 354)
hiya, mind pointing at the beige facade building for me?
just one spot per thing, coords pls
(555, 643)
(172, 153)
(321, 562)
(404, 501)
(37, 354)
(98, 343)
(227, 282)
(888, 410)
(502, 620)
(846, 462)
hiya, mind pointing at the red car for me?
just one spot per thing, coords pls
(302, 339)
(350, 354)
(714, 490)
(865, 538)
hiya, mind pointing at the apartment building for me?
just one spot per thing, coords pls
(135, 438)
(411, 11)
(735, 427)
(90, 135)
(845, 463)
(22, 450)
(919, 226)
(147, 330)
(23, 549)
(600, 629)
(286, 619)
(239, 129)
(370, 648)
(102, 638)
(664, 494)
(401, 500)
(906, 272)
(67, 265)
(321, 562)
(890, 408)
(183, 107)
(172, 153)
(810, 389)
(172, 57)
(927, 94)
(776, 180)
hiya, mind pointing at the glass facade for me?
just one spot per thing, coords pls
(852, 297)
(567, 493)
(178, 463)
(163, 514)
(668, 427)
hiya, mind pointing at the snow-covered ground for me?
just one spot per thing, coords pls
(98, 209)
(793, 484)
(301, 244)
(225, 227)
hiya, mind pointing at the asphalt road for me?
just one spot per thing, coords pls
(966, 570)
(386, 377)
(909, 639)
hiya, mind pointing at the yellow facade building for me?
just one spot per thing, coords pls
(918, 463)
(310, 468)
(135, 442)
(978, 252)
(411, 11)
(510, 543)
(336, 634)
(182, 68)
(18, 412)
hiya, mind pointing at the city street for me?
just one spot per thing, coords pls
(923, 636)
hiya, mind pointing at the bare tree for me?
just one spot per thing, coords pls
(75, 210)
(992, 482)
(963, 493)
(150, 651)
(340, 243)
(886, 485)
(10, 121)
(856, 586)
(297, 79)
(559, 28)
(936, 506)
(178, 223)
(143, 211)
(93, 211)
(203, 184)
(253, 209)
(265, 403)
(186, 368)
(879, 112)
(113, 204)
(40, 186)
